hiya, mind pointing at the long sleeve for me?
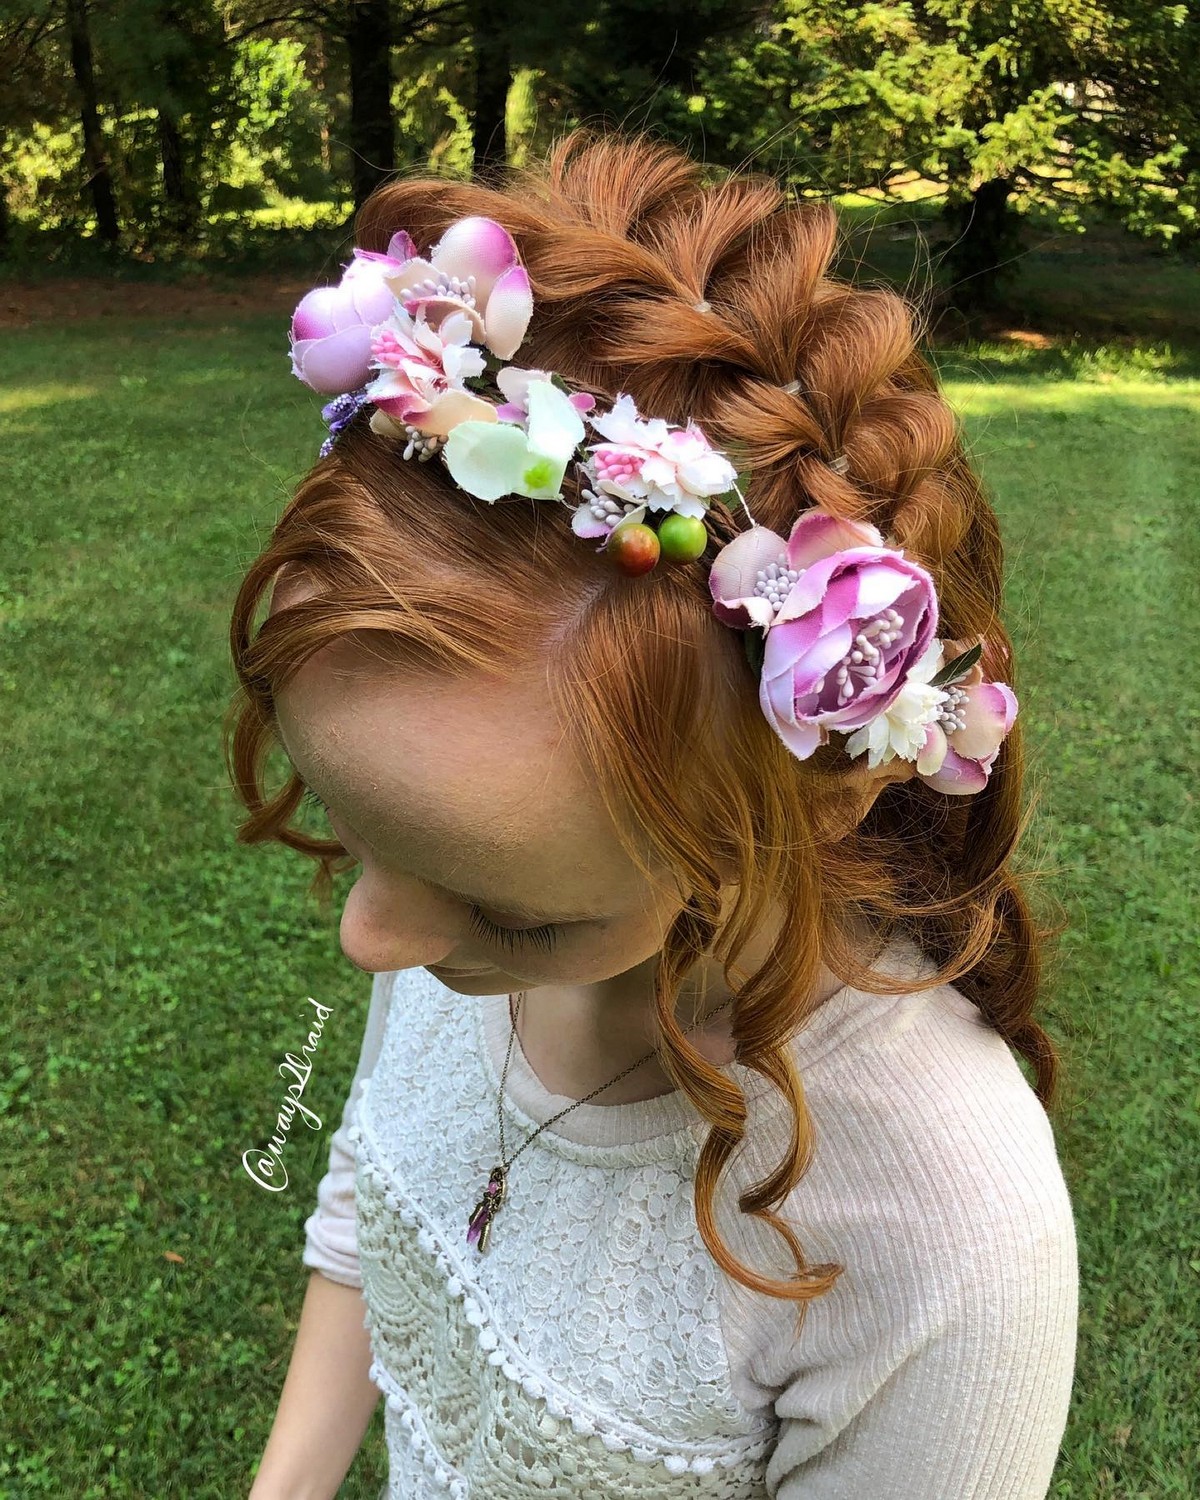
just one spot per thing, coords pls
(329, 1231)
(940, 1365)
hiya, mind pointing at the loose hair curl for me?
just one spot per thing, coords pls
(625, 241)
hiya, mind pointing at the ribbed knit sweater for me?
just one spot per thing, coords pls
(597, 1350)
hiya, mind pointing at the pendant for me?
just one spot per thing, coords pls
(479, 1230)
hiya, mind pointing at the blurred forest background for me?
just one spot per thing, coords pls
(200, 134)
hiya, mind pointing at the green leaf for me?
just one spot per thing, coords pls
(957, 668)
(754, 643)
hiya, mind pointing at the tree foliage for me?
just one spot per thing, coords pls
(1063, 105)
(201, 107)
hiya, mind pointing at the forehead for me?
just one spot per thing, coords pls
(476, 750)
(473, 773)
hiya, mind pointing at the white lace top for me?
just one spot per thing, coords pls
(597, 1350)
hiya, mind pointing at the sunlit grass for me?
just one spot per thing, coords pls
(162, 970)
(56, 393)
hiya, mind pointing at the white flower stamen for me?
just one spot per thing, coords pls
(951, 712)
(605, 509)
(774, 582)
(865, 658)
(443, 285)
(423, 444)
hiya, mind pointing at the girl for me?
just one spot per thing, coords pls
(639, 628)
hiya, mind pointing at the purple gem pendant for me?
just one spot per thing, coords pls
(479, 1230)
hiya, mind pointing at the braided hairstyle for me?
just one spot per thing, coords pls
(710, 300)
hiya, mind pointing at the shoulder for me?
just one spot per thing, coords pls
(943, 1357)
(928, 1137)
(908, 1089)
(925, 1107)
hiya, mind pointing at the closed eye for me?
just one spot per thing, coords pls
(544, 937)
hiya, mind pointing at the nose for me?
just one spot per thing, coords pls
(385, 928)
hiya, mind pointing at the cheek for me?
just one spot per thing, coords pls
(599, 952)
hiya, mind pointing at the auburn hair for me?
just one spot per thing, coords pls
(626, 240)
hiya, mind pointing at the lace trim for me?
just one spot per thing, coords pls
(408, 1414)
(501, 1350)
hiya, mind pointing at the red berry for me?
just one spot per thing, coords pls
(634, 548)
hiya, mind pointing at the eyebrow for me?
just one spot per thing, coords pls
(518, 909)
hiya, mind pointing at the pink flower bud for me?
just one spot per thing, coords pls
(331, 327)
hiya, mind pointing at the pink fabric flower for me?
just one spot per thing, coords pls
(845, 618)
(331, 326)
(650, 463)
(422, 374)
(473, 271)
(401, 249)
(962, 744)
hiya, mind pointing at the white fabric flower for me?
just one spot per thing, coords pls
(649, 462)
(901, 730)
(492, 460)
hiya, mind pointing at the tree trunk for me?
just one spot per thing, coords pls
(493, 79)
(182, 207)
(319, 81)
(94, 156)
(372, 136)
(5, 218)
(986, 240)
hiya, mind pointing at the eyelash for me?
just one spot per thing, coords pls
(312, 800)
(544, 937)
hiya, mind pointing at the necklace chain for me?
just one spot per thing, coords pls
(508, 1161)
(479, 1226)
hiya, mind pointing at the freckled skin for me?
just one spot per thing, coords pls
(474, 787)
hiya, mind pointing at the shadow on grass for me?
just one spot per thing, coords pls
(1018, 362)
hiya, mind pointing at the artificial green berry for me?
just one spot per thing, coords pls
(682, 538)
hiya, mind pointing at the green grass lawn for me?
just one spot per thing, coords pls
(160, 971)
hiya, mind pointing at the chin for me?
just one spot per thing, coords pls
(486, 982)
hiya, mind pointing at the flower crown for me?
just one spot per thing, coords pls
(841, 628)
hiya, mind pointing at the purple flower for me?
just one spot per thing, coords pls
(331, 327)
(845, 618)
(339, 413)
